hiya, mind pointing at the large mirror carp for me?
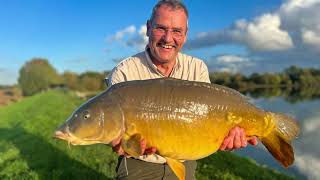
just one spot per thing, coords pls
(184, 120)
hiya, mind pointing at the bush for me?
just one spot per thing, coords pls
(37, 75)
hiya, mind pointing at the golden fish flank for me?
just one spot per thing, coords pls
(184, 120)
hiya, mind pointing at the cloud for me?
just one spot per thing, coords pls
(304, 162)
(312, 126)
(301, 17)
(229, 63)
(263, 34)
(140, 40)
(131, 37)
(297, 5)
(310, 37)
(122, 33)
(230, 59)
(288, 36)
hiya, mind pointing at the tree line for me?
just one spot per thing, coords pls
(293, 76)
(38, 75)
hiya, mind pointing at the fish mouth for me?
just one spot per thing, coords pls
(60, 135)
(67, 137)
(72, 139)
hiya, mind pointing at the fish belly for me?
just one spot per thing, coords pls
(179, 140)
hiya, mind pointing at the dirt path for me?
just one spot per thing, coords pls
(8, 95)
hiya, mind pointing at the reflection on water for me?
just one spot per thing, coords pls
(306, 147)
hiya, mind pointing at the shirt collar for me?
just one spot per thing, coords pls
(149, 61)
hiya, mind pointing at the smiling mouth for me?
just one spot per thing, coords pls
(166, 46)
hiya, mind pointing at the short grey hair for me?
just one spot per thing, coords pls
(174, 4)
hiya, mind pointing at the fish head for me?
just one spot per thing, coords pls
(97, 121)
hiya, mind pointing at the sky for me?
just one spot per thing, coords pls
(231, 35)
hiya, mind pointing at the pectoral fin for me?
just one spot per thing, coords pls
(177, 167)
(131, 145)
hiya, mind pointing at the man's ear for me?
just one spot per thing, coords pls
(148, 33)
(185, 38)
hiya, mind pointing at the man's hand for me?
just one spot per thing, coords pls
(237, 139)
(116, 146)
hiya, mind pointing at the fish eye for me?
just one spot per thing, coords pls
(86, 116)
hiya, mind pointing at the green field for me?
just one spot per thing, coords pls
(28, 151)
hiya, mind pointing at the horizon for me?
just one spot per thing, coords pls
(232, 36)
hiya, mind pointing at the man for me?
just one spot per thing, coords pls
(167, 32)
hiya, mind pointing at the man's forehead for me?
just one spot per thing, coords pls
(164, 16)
(165, 8)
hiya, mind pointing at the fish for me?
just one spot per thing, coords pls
(184, 120)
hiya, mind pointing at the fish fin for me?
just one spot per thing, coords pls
(177, 167)
(287, 127)
(279, 148)
(131, 145)
(278, 142)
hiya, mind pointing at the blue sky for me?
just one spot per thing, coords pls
(231, 35)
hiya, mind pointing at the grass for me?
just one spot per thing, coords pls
(226, 165)
(28, 151)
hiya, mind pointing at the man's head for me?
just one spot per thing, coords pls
(167, 30)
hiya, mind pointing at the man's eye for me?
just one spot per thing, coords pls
(162, 29)
(177, 32)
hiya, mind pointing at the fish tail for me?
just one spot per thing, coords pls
(278, 142)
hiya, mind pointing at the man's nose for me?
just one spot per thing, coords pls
(168, 36)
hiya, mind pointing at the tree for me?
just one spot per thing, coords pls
(70, 80)
(238, 81)
(91, 81)
(294, 73)
(223, 78)
(37, 75)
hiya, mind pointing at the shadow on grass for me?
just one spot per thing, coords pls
(45, 159)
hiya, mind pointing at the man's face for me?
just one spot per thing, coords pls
(167, 33)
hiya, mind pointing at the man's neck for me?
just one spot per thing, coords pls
(165, 68)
